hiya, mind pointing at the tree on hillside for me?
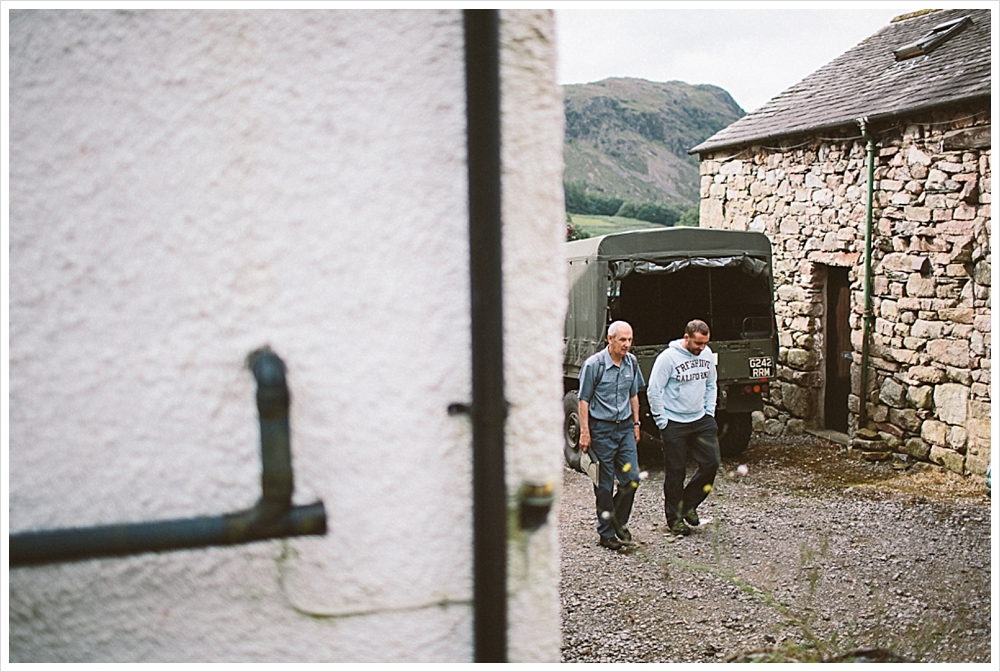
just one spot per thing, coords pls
(581, 202)
(690, 218)
(650, 212)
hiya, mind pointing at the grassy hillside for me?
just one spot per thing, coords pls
(588, 226)
(627, 139)
(598, 225)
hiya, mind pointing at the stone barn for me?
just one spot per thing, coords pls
(872, 179)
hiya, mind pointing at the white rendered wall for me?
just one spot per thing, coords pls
(187, 186)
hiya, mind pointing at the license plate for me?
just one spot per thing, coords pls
(760, 367)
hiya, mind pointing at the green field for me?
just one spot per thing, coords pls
(598, 225)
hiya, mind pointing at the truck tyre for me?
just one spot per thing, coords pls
(571, 430)
(734, 432)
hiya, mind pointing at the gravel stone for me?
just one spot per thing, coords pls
(811, 555)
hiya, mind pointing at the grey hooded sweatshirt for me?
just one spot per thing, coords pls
(682, 387)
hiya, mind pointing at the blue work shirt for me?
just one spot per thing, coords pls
(610, 400)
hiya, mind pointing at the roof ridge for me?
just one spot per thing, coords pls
(911, 15)
(868, 81)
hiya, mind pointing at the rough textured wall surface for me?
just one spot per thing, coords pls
(188, 186)
(532, 145)
(929, 385)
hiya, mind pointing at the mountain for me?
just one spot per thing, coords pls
(627, 138)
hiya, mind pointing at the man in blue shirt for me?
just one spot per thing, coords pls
(682, 394)
(609, 430)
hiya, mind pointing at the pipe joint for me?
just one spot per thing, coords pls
(272, 517)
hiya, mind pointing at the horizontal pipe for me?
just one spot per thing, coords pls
(103, 541)
(272, 517)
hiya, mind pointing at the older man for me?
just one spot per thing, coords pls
(609, 430)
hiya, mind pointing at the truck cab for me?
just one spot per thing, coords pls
(658, 280)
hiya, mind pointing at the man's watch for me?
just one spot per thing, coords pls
(637, 423)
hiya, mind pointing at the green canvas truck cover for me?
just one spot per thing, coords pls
(594, 263)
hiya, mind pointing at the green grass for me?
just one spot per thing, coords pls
(598, 225)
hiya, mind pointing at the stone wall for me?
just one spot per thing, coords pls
(929, 380)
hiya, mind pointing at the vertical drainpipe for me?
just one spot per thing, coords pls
(489, 408)
(867, 316)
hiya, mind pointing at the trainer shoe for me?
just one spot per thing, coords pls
(691, 518)
(680, 529)
(611, 542)
(625, 535)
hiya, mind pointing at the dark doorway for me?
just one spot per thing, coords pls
(839, 352)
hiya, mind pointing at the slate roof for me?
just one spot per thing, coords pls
(868, 81)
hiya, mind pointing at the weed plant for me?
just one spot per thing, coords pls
(850, 646)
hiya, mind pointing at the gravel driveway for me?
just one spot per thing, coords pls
(812, 555)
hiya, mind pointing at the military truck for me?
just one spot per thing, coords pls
(658, 280)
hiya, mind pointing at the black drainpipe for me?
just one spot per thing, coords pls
(489, 408)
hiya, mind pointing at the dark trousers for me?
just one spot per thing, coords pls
(700, 439)
(613, 446)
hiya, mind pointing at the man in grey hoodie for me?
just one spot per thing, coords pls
(682, 394)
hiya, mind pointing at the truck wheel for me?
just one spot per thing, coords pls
(571, 430)
(734, 432)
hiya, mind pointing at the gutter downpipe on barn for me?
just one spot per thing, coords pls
(489, 407)
(867, 315)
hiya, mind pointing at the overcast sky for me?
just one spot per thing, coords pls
(754, 54)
